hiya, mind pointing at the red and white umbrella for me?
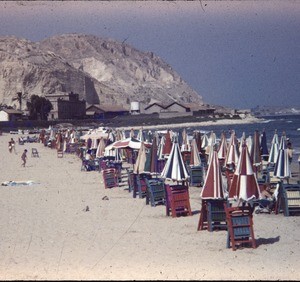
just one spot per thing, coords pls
(222, 150)
(100, 148)
(244, 186)
(213, 185)
(232, 153)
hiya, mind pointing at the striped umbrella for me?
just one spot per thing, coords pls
(213, 184)
(222, 150)
(274, 149)
(174, 168)
(197, 136)
(232, 152)
(204, 141)
(282, 168)
(244, 186)
(160, 148)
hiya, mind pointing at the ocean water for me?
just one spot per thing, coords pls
(290, 124)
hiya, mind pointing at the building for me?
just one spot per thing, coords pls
(105, 111)
(10, 115)
(66, 106)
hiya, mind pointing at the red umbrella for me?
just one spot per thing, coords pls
(213, 185)
(168, 144)
(222, 151)
(232, 153)
(195, 157)
(244, 186)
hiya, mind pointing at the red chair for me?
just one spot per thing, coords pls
(178, 200)
(110, 178)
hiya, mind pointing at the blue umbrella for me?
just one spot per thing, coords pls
(264, 147)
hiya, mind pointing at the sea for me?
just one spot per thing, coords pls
(290, 124)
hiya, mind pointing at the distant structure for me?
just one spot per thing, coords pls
(10, 115)
(66, 106)
(135, 108)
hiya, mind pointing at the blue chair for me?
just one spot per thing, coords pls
(155, 191)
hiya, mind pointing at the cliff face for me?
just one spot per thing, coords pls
(99, 70)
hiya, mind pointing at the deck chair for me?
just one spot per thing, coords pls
(196, 176)
(140, 185)
(213, 215)
(60, 153)
(155, 191)
(34, 153)
(289, 199)
(240, 226)
(177, 200)
(110, 178)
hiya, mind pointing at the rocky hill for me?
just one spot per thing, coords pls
(99, 70)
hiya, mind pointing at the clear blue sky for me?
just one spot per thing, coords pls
(234, 53)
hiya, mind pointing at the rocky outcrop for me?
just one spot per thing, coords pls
(99, 70)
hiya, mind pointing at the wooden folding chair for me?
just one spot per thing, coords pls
(110, 178)
(289, 199)
(178, 200)
(240, 226)
(213, 215)
(155, 191)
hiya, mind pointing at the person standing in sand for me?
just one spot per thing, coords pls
(24, 157)
(9, 146)
(13, 145)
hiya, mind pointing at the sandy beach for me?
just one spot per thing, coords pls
(63, 227)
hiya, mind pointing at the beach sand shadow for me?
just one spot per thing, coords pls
(267, 241)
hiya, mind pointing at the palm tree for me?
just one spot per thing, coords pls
(19, 97)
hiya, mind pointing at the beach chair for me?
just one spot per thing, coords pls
(130, 180)
(239, 226)
(140, 185)
(110, 178)
(196, 176)
(155, 191)
(60, 153)
(34, 153)
(289, 199)
(177, 200)
(213, 215)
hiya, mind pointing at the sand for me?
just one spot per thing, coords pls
(48, 233)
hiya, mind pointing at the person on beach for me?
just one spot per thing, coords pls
(13, 143)
(9, 146)
(24, 157)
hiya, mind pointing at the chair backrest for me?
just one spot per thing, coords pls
(110, 178)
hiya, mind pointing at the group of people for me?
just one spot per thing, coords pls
(12, 147)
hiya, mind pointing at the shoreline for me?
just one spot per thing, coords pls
(247, 120)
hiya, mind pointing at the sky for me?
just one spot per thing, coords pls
(239, 54)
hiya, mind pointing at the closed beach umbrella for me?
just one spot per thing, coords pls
(222, 150)
(174, 168)
(204, 141)
(264, 147)
(213, 184)
(100, 149)
(232, 153)
(153, 156)
(256, 156)
(141, 165)
(160, 147)
(197, 137)
(282, 167)
(168, 144)
(244, 186)
(274, 149)
(195, 157)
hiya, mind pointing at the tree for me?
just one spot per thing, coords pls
(39, 107)
(19, 97)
